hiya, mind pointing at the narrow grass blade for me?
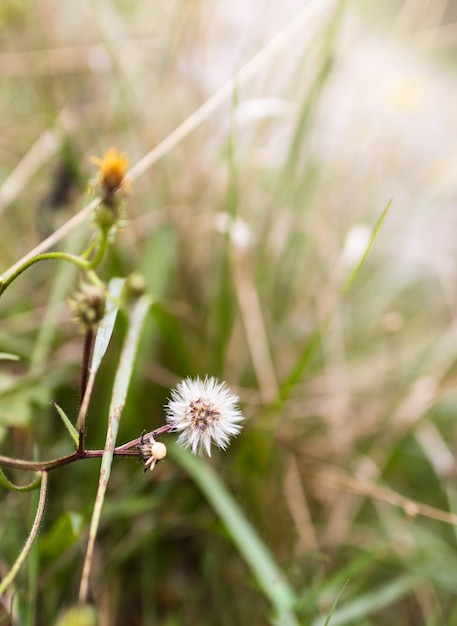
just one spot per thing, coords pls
(303, 360)
(289, 383)
(121, 385)
(372, 602)
(335, 604)
(325, 64)
(374, 233)
(268, 575)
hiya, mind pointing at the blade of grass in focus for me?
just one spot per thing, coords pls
(120, 388)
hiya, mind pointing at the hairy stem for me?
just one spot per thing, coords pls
(6, 582)
(87, 353)
(126, 449)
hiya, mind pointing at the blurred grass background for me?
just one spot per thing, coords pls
(246, 233)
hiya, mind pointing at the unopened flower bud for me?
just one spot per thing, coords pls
(112, 168)
(151, 451)
(88, 304)
(111, 172)
(134, 287)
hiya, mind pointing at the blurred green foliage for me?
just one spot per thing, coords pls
(246, 233)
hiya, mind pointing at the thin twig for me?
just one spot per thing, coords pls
(6, 582)
(126, 449)
(87, 353)
(339, 480)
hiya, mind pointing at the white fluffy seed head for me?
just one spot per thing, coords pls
(203, 411)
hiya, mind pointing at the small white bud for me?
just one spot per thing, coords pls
(152, 451)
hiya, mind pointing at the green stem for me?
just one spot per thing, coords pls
(6, 582)
(91, 247)
(100, 252)
(94, 279)
(46, 256)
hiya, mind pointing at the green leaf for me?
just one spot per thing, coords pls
(334, 605)
(374, 233)
(69, 426)
(105, 330)
(304, 358)
(102, 339)
(64, 532)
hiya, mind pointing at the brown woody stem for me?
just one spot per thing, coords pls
(127, 449)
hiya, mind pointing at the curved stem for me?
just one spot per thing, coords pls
(6, 582)
(100, 252)
(46, 256)
(91, 247)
